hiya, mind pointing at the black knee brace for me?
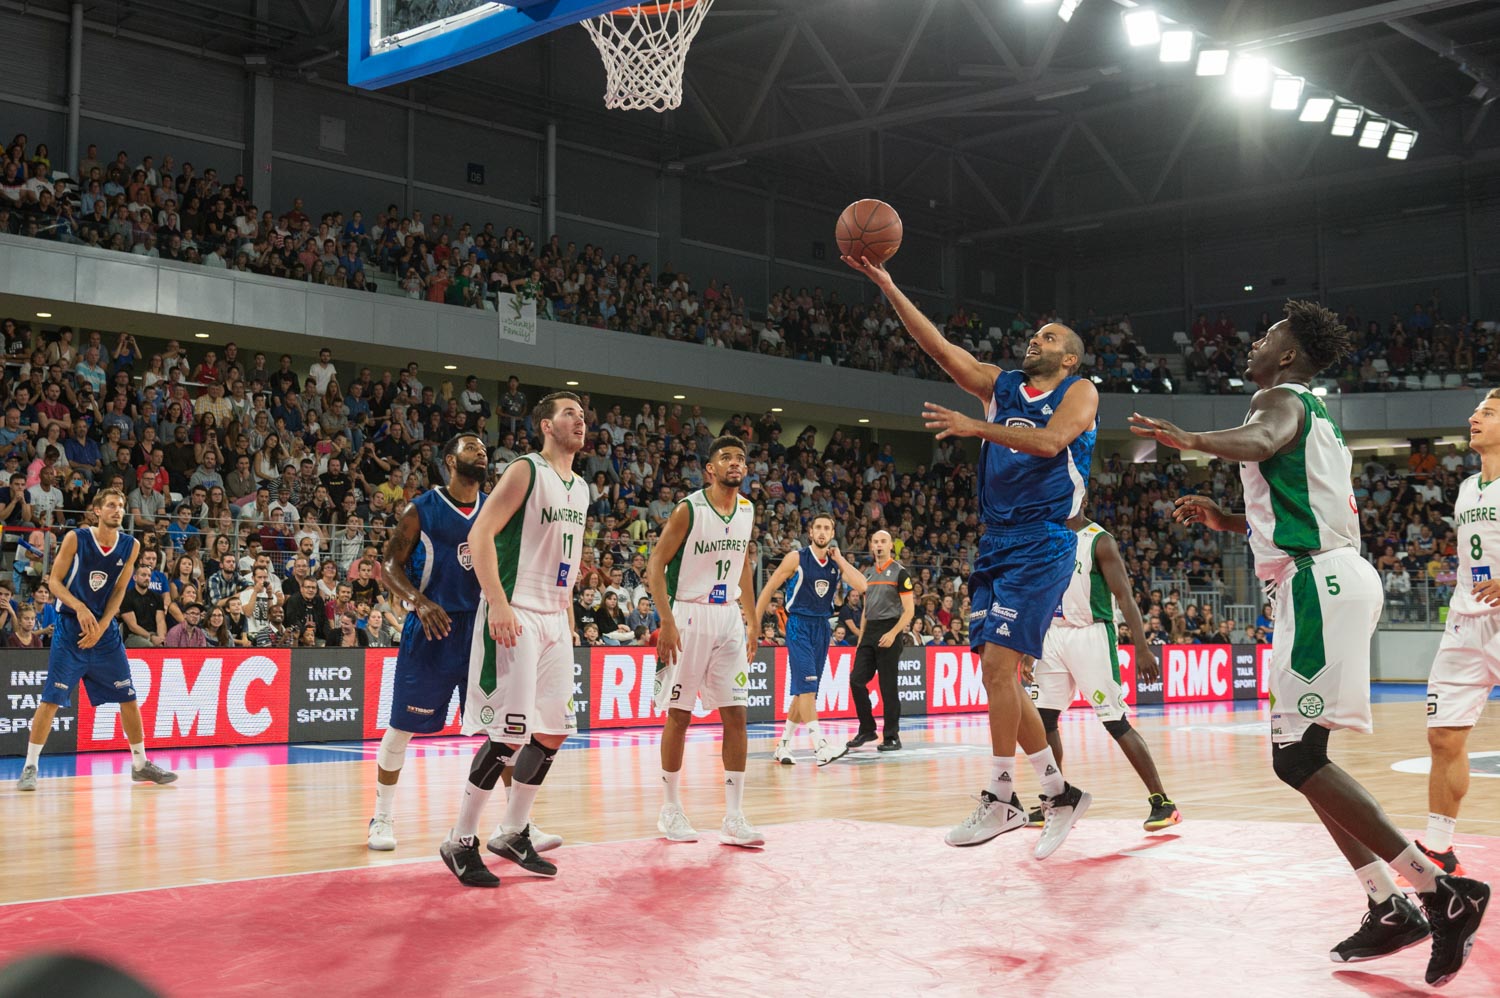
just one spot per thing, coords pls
(1118, 729)
(1296, 763)
(489, 762)
(1049, 718)
(532, 762)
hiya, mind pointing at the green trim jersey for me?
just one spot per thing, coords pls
(1476, 518)
(707, 568)
(1300, 502)
(1087, 599)
(539, 548)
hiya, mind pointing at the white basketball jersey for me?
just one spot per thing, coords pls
(706, 569)
(540, 546)
(1301, 503)
(1087, 599)
(1476, 520)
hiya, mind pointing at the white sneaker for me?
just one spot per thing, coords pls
(783, 754)
(991, 818)
(827, 752)
(1060, 813)
(544, 841)
(382, 834)
(737, 831)
(674, 825)
(28, 778)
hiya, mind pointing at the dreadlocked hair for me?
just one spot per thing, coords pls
(1319, 333)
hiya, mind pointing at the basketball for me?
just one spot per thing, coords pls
(869, 229)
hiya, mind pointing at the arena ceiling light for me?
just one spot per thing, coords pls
(1142, 27)
(572, 384)
(201, 336)
(1316, 109)
(44, 315)
(1213, 62)
(777, 408)
(1374, 133)
(450, 367)
(1286, 93)
(1346, 120)
(1251, 76)
(1177, 45)
(679, 397)
(1402, 141)
(1068, 8)
(864, 419)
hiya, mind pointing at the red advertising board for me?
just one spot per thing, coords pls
(198, 696)
(622, 684)
(1196, 673)
(833, 687)
(380, 681)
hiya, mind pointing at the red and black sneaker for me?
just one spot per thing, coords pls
(1446, 861)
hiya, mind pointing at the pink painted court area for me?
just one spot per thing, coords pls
(829, 907)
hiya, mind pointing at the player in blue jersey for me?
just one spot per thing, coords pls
(811, 579)
(93, 569)
(1037, 441)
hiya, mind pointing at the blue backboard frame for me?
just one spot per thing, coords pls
(521, 21)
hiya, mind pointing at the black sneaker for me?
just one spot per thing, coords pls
(1036, 819)
(863, 738)
(1454, 911)
(1164, 813)
(462, 857)
(516, 847)
(1388, 927)
(892, 743)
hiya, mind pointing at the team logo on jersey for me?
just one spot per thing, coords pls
(719, 594)
(821, 587)
(1046, 410)
(1310, 705)
(466, 557)
(1018, 421)
(97, 580)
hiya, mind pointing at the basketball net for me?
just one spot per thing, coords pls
(645, 52)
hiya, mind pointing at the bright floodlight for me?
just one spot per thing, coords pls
(1402, 141)
(1068, 7)
(1346, 120)
(1141, 27)
(1374, 133)
(1177, 45)
(1038, 3)
(1316, 109)
(1213, 62)
(1286, 93)
(1251, 77)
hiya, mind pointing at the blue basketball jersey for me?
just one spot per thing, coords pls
(95, 571)
(441, 566)
(811, 590)
(1017, 489)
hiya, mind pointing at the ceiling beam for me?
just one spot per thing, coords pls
(1479, 70)
(1399, 85)
(831, 65)
(766, 82)
(1110, 162)
(912, 39)
(1180, 146)
(983, 189)
(1359, 17)
(987, 29)
(1047, 168)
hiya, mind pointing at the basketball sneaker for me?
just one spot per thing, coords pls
(992, 817)
(672, 823)
(28, 779)
(737, 831)
(382, 837)
(1036, 819)
(1164, 813)
(462, 857)
(1454, 911)
(827, 752)
(1388, 927)
(1446, 861)
(783, 754)
(543, 841)
(1059, 815)
(152, 773)
(517, 847)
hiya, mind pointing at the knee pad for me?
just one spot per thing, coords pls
(391, 755)
(489, 762)
(1296, 763)
(532, 762)
(1118, 729)
(1049, 718)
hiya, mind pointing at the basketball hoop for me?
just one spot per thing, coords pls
(645, 52)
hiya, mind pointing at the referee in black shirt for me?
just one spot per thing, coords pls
(889, 607)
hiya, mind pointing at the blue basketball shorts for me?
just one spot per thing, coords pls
(1019, 577)
(806, 652)
(104, 669)
(427, 673)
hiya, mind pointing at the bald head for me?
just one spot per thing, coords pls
(880, 545)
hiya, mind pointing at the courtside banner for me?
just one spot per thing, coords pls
(379, 683)
(23, 678)
(195, 697)
(911, 684)
(833, 686)
(328, 696)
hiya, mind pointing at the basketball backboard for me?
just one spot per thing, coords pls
(391, 41)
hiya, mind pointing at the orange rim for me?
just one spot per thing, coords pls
(653, 9)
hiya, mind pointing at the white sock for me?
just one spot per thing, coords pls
(385, 800)
(138, 755)
(734, 794)
(33, 753)
(815, 731)
(1418, 869)
(1377, 881)
(518, 807)
(469, 811)
(788, 731)
(1002, 784)
(1048, 772)
(671, 783)
(1439, 836)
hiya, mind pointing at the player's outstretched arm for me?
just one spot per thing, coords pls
(1275, 421)
(57, 581)
(784, 571)
(505, 502)
(1107, 554)
(679, 521)
(398, 548)
(1202, 509)
(967, 371)
(1077, 413)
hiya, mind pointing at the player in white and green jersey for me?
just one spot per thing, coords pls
(703, 587)
(1082, 650)
(1303, 527)
(526, 543)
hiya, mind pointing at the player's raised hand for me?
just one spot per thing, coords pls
(1200, 509)
(668, 644)
(874, 271)
(1162, 431)
(504, 627)
(435, 621)
(1147, 668)
(949, 422)
(1488, 591)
